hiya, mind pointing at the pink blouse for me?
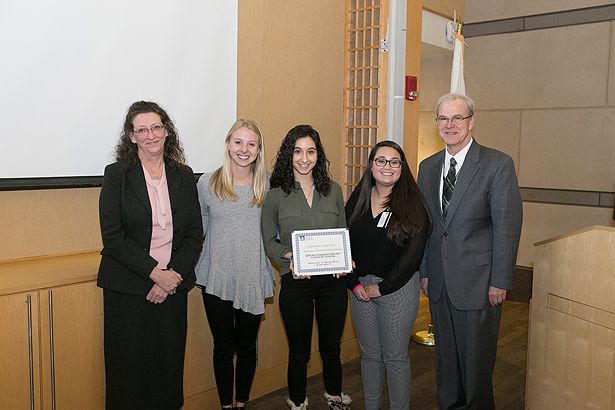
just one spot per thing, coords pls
(162, 219)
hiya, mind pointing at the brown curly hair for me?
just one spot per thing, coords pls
(126, 150)
(283, 176)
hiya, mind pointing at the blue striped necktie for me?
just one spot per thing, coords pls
(449, 186)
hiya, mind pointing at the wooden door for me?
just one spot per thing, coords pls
(72, 362)
(19, 352)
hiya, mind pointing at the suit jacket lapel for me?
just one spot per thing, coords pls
(136, 179)
(466, 174)
(435, 173)
(173, 182)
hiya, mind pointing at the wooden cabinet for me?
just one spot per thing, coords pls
(19, 342)
(51, 342)
(72, 361)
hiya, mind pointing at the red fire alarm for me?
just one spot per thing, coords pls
(411, 88)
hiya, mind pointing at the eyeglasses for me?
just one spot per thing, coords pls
(156, 129)
(394, 162)
(455, 119)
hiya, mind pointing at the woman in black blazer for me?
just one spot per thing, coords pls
(152, 235)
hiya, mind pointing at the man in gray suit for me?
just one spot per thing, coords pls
(473, 198)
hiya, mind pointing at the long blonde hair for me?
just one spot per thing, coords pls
(221, 181)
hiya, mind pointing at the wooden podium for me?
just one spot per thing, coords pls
(571, 351)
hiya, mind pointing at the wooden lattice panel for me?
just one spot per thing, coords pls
(365, 79)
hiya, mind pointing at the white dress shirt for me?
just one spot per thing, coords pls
(459, 157)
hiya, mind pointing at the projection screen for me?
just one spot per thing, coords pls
(71, 68)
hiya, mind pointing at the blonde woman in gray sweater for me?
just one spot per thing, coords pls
(234, 273)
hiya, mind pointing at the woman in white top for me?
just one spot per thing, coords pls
(235, 275)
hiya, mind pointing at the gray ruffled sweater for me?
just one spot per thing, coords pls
(233, 264)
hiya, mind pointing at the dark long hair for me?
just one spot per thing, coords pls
(407, 205)
(126, 150)
(283, 176)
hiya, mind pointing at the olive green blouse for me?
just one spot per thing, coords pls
(282, 214)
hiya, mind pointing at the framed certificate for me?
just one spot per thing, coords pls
(321, 251)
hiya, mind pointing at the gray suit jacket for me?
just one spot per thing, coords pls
(476, 247)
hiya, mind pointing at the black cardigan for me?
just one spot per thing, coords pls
(374, 254)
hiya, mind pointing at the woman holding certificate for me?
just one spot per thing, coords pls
(302, 197)
(234, 273)
(389, 226)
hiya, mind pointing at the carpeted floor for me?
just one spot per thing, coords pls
(509, 375)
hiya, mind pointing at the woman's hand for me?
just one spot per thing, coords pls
(168, 280)
(373, 291)
(292, 270)
(291, 265)
(361, 293)
(342, 274)
(156, 294)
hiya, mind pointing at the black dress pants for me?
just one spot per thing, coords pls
(299, 298)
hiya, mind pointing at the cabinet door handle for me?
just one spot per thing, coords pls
(30, 350)
(51, 352)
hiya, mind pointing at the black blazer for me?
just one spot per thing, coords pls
(126, 228)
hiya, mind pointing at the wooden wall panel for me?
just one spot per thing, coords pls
(291, 70)
(47, 222)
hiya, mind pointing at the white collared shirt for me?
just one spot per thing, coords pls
(459, 157)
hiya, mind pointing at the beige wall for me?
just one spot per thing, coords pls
(543, 221)
(549, 68)
(290, 71)
(547, 98)
(444, 7)
(485, 10)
